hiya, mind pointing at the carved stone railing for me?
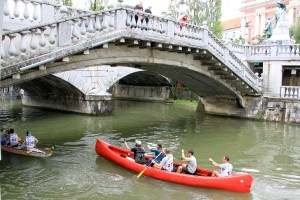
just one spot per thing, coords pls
(36, 11)
(266, 52)
(290, 92)
(25, 48)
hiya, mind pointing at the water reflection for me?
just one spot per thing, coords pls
(76, 172)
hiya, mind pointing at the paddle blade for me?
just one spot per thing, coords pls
(53, 147)
(140, 174)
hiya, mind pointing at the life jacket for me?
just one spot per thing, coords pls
(13, 139)
(140, 156)
(30, 142)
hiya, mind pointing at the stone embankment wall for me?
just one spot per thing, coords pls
(268, 109)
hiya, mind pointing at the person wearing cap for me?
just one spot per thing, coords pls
(191, 167)
(30, 141)
(138, 152)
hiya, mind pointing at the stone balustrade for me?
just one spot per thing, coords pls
(289, 92)
(36, 11)
(266, 52)
(31, 42)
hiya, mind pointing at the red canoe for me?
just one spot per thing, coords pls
(235, 182)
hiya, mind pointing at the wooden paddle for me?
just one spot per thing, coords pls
(141, 173)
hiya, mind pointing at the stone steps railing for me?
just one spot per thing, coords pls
(290, 92)
(36, 11)
(35, 41)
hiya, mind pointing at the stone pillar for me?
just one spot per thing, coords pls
(262, 23)
(272, 78)
(256, 25)
(1, 27)
(47, 13)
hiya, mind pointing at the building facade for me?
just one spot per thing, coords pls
(231, 29)
(255, 14)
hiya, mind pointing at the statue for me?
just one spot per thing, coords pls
(279, 12)
(269, 28)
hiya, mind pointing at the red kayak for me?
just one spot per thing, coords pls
(235, 182)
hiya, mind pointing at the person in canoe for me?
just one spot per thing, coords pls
(226, 168)
(166, 163)
(138, 152)
(13, 139)
(191, 165)
(30, 141)
(159, 155)
(2, 136)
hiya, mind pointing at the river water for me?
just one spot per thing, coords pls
(270, 152)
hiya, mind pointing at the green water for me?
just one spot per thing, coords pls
(76, 172)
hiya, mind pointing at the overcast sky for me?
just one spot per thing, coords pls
(230, 8)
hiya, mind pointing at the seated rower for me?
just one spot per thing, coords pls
(2, 136)
(226, 168)
(166, 163)
(138, 152)
(30, 141)
(159, 155)
(13, 139)
(191, 167)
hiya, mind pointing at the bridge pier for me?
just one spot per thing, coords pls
(95, 105)
(231, 107)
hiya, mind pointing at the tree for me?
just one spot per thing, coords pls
(96, 5)
(200, 11)
(67, 2)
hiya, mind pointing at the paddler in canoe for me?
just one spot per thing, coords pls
(30, 142)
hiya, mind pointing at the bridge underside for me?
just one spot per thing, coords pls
(54, 93)
(200, 71)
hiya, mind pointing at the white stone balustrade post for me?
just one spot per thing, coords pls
(23, 44)
(97, 23)
(16, 12)
(111, 20)
(2, 54)
(82, 26)
(6, 8)
(75, 31)
(26, 10)
(42, 41)
(52, 38)
(204, 33)
(90, 28)
(105, 21)
(12, 47)
(33, 41)
(35, 14)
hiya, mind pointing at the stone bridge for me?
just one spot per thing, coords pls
(183, 52)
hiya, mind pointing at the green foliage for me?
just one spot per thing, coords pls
(295, 31)
(173, 10)
(96, 5)
(67, 2)
(200, 11)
